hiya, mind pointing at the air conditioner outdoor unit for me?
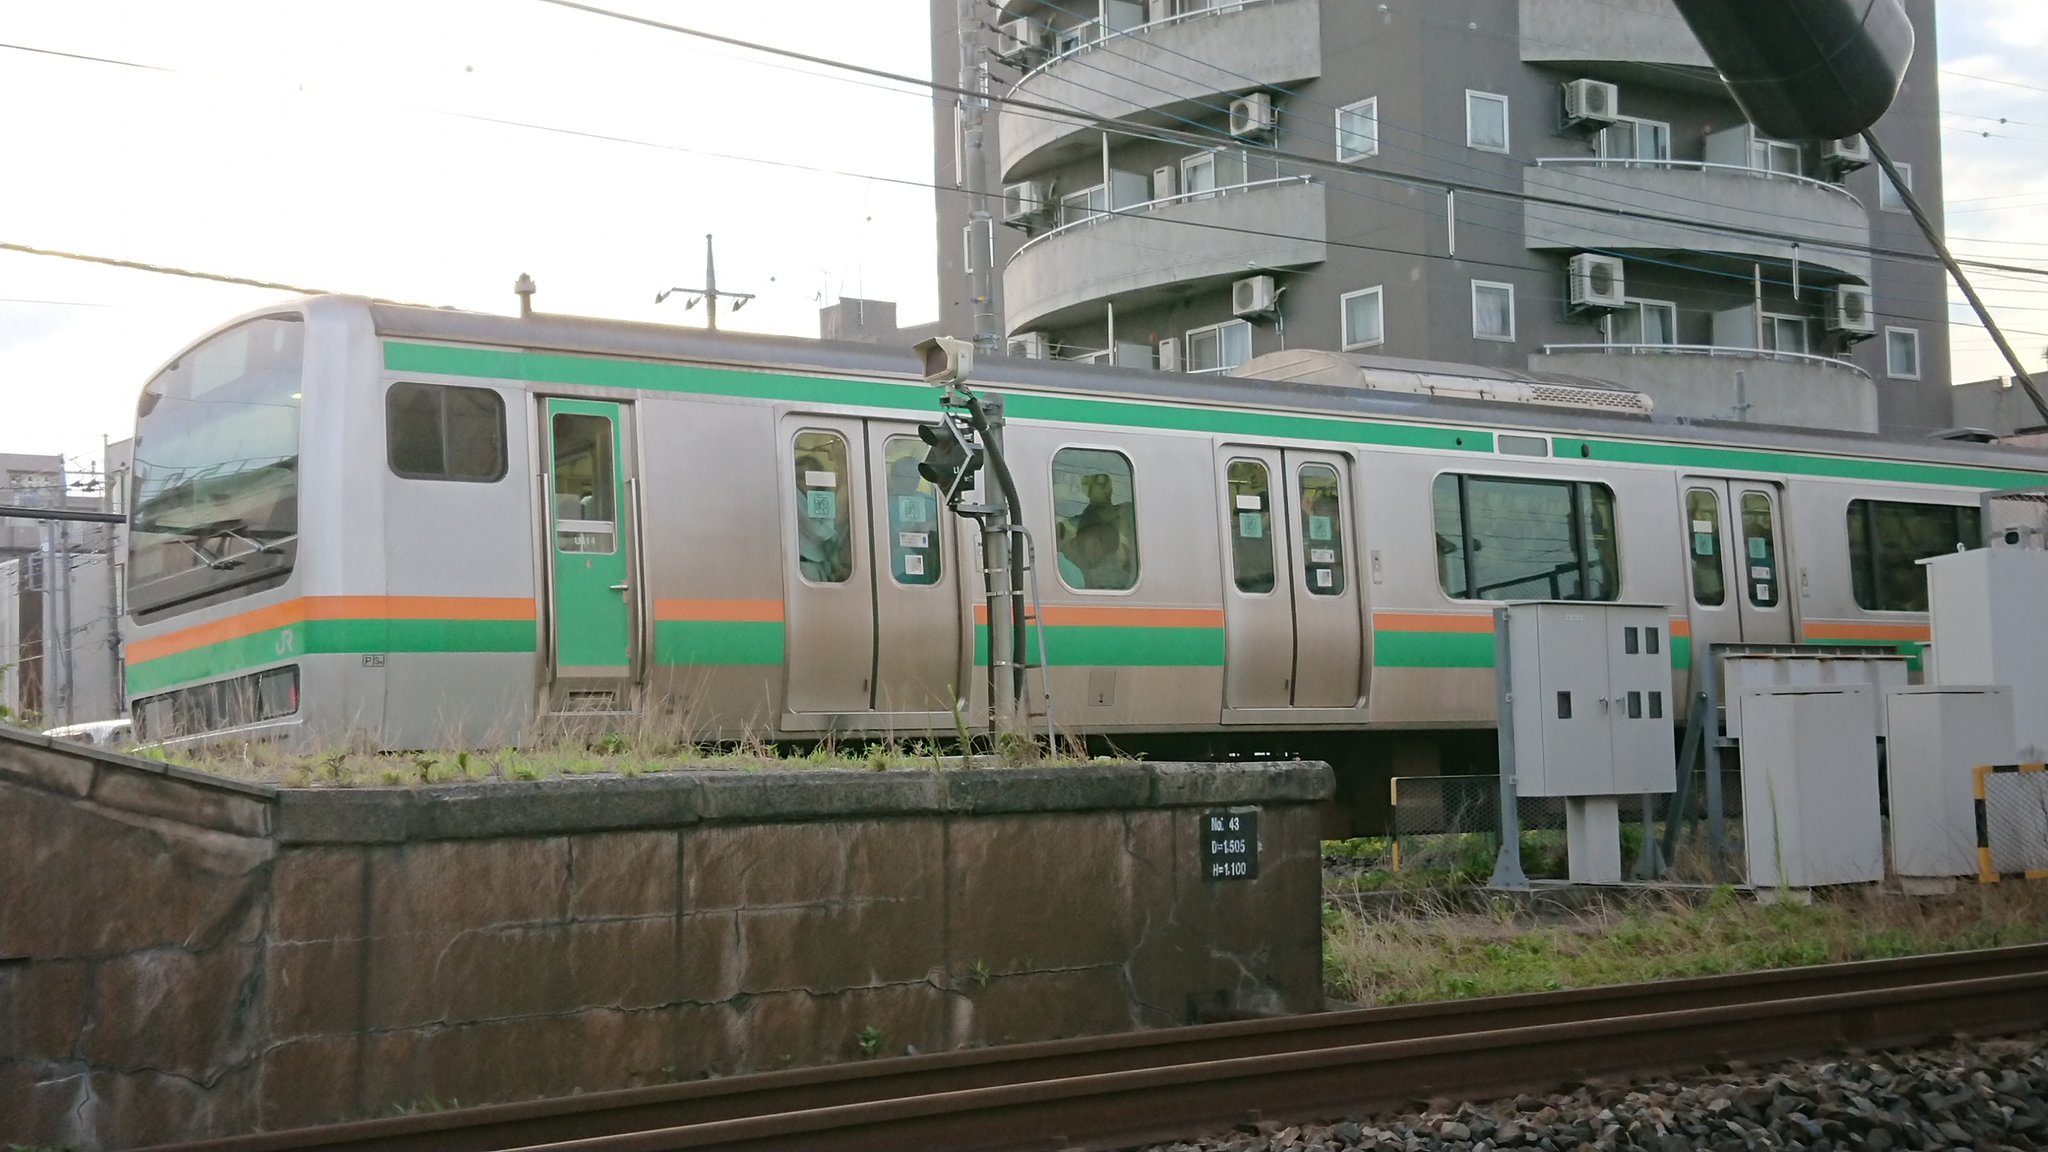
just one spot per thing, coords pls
(1018, 41)
(1251, 116)
(1845, 154)
(1024, 203)
(1169, 354)
(1591, 102)
(1157, 10)
(1253, 296)
(1165, 182)
(1596, 282)
(1031, 345)
(1849, 310)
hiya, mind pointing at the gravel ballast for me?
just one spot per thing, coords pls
(1987, 1094)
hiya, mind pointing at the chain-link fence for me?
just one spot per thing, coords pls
(1452, 824)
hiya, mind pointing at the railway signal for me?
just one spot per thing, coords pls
(950, 460)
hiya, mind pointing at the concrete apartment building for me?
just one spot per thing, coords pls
(1301, 199)
(60, 594)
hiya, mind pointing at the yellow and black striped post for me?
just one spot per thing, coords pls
(1986, 872)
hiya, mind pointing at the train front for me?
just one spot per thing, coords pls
(214, 640)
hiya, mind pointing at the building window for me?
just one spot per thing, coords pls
(1086, 204)
(1631, 139)
(441, 432)
(1902, 353)
(1785, 333)
(1775, 156)
(1364, 318)
(1358, 130)
(1644, 322)
(1887, 541)
(1888, 197)
(1493, 310)
(1510, 538)
(1219, 347)
(1486, 121)
(1198, 176)
(1095, 516)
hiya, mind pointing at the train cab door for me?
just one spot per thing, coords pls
(872, 598)
(1735, 550)
(591, 549)
(1293, 635)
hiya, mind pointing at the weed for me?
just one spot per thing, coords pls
(870, 1040)
(979, 973)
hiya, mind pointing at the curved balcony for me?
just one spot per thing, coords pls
(1697, 209)
(1630, 35)
(1158, 71)
(1699, 381)
(1133, 253)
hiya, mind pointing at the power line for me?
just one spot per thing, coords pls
(163, 269)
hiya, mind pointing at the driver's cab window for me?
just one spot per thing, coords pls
(585, 484)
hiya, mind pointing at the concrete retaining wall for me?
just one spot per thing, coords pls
(184, 956)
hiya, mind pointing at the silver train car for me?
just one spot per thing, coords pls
(440, 528)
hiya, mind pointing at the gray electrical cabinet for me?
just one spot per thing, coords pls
(1589, 693)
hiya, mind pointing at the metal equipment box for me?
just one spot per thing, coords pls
(1590, 698)
(1809, 786)
(1939, 737)
(1989, 610)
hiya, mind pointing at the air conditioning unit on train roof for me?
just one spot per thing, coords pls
(1253, 296)
(1596, 283)
(1591, 102)
(1252, 117)
(1848, 311)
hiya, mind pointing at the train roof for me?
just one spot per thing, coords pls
(578, 334)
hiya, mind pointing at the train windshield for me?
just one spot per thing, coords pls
(216, 496)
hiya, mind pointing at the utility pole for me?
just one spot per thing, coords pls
(709, 293)
(980, 241)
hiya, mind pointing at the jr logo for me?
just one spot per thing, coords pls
(287, 642)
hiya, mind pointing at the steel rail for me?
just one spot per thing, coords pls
(704, 1102)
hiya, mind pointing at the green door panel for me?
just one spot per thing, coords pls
(587, 528)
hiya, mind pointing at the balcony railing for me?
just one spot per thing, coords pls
(1709, 350)
(1097, 215)
(1696, 166)
(1088, 46)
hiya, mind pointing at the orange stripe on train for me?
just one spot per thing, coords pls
(721, 611)
(1848, 630)
(331, 608)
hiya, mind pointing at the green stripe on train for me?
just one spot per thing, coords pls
(1087, 645)
(602, 372)
(714, 643)
(1395, 649)
(327, 637)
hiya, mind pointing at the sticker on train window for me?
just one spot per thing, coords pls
(913, 539)
(1763, 594)
(821, 479)
(1322, 555)
(913, 565)
(1703, 543)
(1323, 578)
(1251, 525)
(1759, 547)
(1250, 503)
(822, 505)
(1319, 527)
(914, 510)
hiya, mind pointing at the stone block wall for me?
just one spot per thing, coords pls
(182, 956)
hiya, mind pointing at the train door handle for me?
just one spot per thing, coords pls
(619, 587)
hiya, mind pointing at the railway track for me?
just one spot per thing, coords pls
(1118, 1090)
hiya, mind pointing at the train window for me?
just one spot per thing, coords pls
(1703, 516)
(1887, 540)
(442, 432)
(824, 516)
(1251, 526)
(585, 485)
(1759, 550)
(914, 556)
(1322, 530)
(1509, 538)
(1095, 515)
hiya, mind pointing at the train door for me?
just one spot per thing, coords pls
(591, 546)
(1735, 544)
(872, 602)
(1293, 636)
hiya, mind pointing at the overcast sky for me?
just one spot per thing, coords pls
(346, 147)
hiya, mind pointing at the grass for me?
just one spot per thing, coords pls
(356, 764)
(1420, 954)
